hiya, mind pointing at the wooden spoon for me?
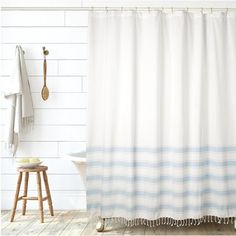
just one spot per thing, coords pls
(45, 91)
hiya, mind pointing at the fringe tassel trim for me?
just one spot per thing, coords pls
(170, 221)
(27, 123)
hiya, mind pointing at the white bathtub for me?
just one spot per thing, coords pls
(79, 159)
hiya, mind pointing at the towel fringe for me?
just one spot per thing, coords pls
(27, 123)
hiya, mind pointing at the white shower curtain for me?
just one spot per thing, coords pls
(162, 115)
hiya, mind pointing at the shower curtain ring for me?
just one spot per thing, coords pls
(107, 9)
(227, 10)
(149, 9)
(211, 11)
(172, 10)
(202, 10)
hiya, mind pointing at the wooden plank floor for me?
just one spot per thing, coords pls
(66, 223)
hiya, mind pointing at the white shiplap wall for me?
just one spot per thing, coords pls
(60, 122)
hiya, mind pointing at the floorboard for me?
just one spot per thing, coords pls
(36, 227)
(160, 230)
(135, 230)
(75, 223)
(58, 224)
(19, 224)
(112, 228)
(90, 229)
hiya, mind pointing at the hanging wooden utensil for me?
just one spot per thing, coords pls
(45, 91)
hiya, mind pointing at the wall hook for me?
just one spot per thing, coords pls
(45, 52)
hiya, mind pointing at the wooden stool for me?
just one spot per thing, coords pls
(39, 198)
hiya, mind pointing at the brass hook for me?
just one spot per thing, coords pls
(45, 52)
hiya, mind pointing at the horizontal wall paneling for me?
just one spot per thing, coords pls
(60, 122)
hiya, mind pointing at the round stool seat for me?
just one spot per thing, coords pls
(36, 169)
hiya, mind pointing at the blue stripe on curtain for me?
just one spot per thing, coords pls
(161, 193)
(162, 163)
(162, 149)
(145, 208)
(161, 178)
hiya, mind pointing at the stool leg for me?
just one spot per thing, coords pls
(40, 198)
(25, 192)
(16, 196)
(48, 193)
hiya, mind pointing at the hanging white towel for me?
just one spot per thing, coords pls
(20, 107)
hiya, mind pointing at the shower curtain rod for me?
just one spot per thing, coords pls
(112, 8)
